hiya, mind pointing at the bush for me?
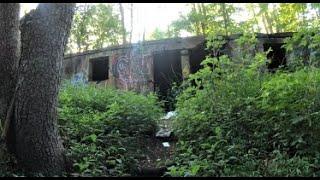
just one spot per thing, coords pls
(303, 48)
(240, 121)
(291, 115)
(99, 124)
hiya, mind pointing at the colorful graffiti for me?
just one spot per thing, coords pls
(79, 79)
(120, 67)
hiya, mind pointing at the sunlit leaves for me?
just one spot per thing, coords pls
(94, 26)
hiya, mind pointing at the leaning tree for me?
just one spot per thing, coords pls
(31, 54)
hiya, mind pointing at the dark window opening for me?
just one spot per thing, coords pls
(277, 56)
(200, 53)
(99, 68)
(167, 70)
(197, 55)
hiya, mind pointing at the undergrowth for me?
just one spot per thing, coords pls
(101, 126)
(240, 120)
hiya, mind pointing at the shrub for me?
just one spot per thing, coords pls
(303, 48)
(240, 121)
(98, 124)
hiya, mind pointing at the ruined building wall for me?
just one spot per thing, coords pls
(128, 69)
(131, 67)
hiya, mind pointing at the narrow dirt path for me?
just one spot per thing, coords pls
(157, 157)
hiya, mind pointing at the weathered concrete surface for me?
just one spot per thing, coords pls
(131, 67)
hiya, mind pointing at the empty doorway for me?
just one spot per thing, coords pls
(167, 70)
(277, 56)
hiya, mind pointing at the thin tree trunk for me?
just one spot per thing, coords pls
(144, 34)
(225, 17)
(197, 28)
(204, 10)
(251, 7)
(124, 36)
(263, 9)
(263, 12)
(44, 34)
(269, 21)
(265, 24)
(131, 22)
(275, 16)
(304, 12)
(202, 21)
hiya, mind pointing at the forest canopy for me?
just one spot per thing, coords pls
(94, 23)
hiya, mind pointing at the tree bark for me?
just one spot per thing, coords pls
(205, 19)
(9, 55)
(44, 34)
(131, 22)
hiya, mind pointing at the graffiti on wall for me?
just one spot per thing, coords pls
(121, 71)
(79, 79)
(132, 71)
(143, 73)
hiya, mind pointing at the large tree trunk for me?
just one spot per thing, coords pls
(44, 33)
(9, 55)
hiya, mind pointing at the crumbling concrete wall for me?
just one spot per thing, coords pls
(131, 66)
(233, 50)
(132, 70)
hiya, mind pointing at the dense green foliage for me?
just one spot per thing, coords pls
(101, 126)
(94, 26)
(227, 18)
(242, 121)
(304, 46)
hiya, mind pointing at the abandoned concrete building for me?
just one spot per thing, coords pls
(154, 65)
